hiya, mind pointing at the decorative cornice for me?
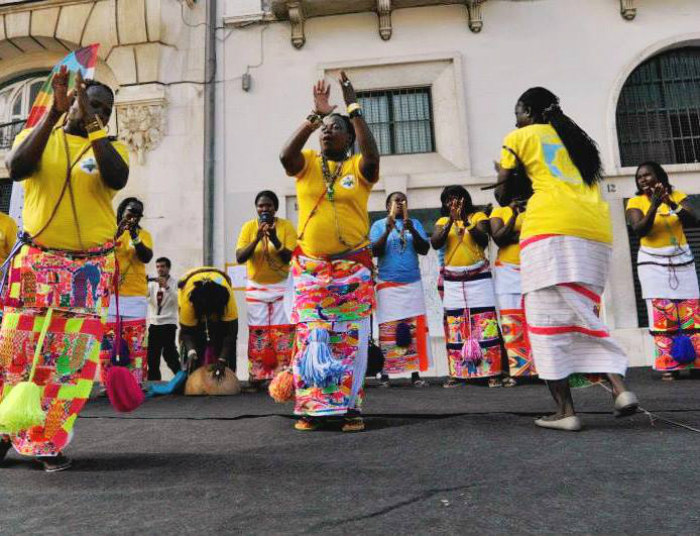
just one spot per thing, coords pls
(627, 9)
(384, 14)
(296, 18)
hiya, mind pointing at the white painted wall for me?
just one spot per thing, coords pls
(582, 51)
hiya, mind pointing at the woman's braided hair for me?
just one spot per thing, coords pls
(583, 151)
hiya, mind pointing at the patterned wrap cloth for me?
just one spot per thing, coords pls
(338, 296)
(513, 323)
(77, 288)
(469, 304)
(270, 333)
(135, 335)
(672, 317)
(402, 303)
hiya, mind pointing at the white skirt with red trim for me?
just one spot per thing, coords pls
(567, 334)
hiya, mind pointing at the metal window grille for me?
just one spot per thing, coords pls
(8, 131)
(658, 113)
(5, 195)
(400, 119)
(693, 236)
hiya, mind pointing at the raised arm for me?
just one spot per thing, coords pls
(291, 156)
(504, 233)
(420, 244)
(23, 160)
(369, 166)
(642, 223)
(113, 169)
(480, 233)
(379, 246)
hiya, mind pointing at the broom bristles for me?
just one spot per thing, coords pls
(21, 408)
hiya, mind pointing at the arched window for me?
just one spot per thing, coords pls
(658, 114)
(16, 99)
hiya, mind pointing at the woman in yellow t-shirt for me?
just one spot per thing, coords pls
(666, 268)
(60, 277)
(208, 327)
(472, 336)
(332, 265)
(565, 248)
(506, 222)
(134, 250)
(265, 245)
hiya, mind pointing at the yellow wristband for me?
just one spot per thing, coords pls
(354, 106)
(97, 135)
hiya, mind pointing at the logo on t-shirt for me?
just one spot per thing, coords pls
(89, 165)
(348, 182)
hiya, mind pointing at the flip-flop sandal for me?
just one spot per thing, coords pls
(495, 382)
(451, 384)
(354, 424)
(669, 377)
(306, 425)
(509, 382)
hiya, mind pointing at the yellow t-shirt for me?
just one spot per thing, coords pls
(351, 193)
(187, 314)
(8, 235)
(462, 251)
(93, 199)
(132, 272)
(265, 265)
(510, 253)
(562, 203)
(667, 229)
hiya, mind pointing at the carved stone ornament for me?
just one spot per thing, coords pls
(296, 19)
(476, 20)
(384, 13)
(627, 9)
(141, 126)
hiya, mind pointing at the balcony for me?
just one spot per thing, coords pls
(298, 11)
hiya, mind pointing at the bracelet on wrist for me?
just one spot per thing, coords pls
(353, 107)
(315, 119)
(95, 135)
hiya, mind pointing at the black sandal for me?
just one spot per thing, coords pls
(55, 464)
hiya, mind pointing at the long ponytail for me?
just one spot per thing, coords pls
(583, 151)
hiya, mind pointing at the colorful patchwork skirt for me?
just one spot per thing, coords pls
(77, 289)
(401, 315)
(470, 311)
(668, 319)
(515, 337)
(270, 333)
(334, 298)
(134, 335)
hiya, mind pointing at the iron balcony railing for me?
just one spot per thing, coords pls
(8, 131)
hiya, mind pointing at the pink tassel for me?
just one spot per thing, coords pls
(471, 351)
(123, 391)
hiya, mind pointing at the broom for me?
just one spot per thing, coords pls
(21, 408)
(282, 387)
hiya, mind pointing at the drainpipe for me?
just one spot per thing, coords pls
(209, 126)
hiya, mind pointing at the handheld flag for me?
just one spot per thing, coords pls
(83, 59)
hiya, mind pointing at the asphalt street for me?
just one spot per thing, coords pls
(431, 461)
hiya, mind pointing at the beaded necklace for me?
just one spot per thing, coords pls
(330, 180)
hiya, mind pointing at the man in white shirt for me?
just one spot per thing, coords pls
(162, 313)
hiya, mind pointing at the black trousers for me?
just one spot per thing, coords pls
(161, 340)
